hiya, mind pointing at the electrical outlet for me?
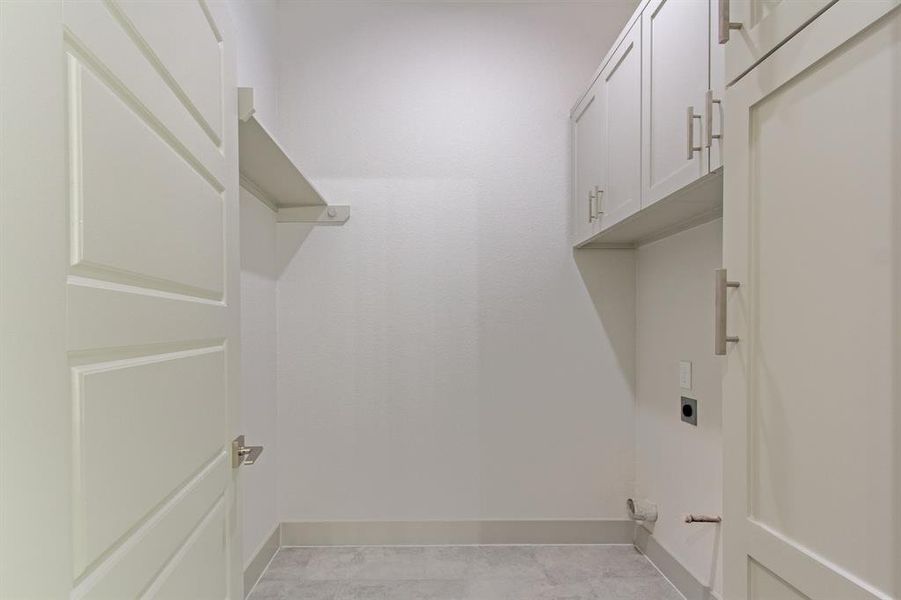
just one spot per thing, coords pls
(689, 410)
(685, 374)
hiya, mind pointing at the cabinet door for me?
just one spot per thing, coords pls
(764, 25)
(812, 233)
(675, 75)
(620, 86)
(714, 115)
(588, 163)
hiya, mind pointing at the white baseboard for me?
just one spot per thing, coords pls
(254, 569)
(389, 533)
(671, 568)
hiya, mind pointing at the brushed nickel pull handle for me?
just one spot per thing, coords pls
(709, 117)
(691, 148)
(598, 196)
(720, 337)
(592, 199)
(725, 24)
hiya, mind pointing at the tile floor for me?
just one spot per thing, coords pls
(463, 573)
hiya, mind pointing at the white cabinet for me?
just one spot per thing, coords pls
(655, 104)
(620, 88)
(676, 77)
(754, 28)
(714, 116)
(812, 234)
(589, 145)
(606, 134)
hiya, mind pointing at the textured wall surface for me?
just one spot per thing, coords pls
(446, 355)
(258, 363)
(679, 466)
(255, 26)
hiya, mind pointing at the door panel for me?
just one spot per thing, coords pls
(117, 315)
(797, 372)
(100, 39)
(132, 185)
(765, 24)
(199, 570)
(813, 236)
(159, 538)
(763, 584)
(121, 295)
(675, 74)
(129, 405)
(621, 87)
(588, 162)
(183, 42)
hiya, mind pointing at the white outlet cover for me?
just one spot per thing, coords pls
(685, 374)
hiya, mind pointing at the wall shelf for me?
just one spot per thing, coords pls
(269, 173)
(693, 205)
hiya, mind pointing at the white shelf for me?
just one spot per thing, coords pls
(693, 205)
(269, 173)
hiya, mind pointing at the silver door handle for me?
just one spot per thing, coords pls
(710, 135)
(592, 199)
(244, 455)
(725, 24)
(691, 148)
(720, 337)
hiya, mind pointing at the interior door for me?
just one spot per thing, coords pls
(120, 301)
(761, 26)
(675, 53)
(620, 84)
(588, 162)
(812, 235)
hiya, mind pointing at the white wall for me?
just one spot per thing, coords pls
(679, 466)
(255, 26)
(259, 410)
(444, 355)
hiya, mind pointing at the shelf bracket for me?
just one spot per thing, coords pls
(315, 215)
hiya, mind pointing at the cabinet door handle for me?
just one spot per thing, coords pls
(598, 196)
(725, 23)
(591, 199)
(720, 337)
(709, 115)
(691, 148)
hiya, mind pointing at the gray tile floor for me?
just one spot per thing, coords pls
(463, 573)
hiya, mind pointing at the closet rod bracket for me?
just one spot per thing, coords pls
(332, 214)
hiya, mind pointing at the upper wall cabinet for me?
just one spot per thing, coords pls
(754, 28)
(658, 93)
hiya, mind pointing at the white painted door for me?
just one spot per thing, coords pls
(588, 137)
(118, 236)
(812, 233)
(764, 25)
(675, 73)
(620, 85)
